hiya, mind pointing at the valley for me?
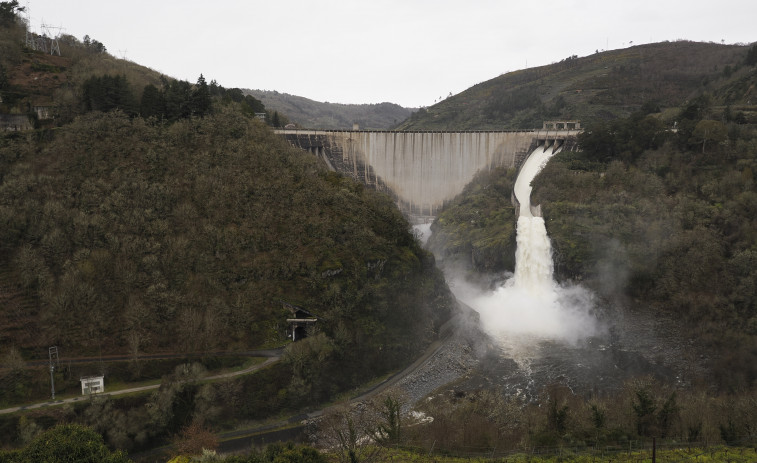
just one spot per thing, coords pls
(606, 302)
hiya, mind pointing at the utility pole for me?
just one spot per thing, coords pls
(53, 355)
(654, 450)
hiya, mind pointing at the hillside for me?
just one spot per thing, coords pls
(598, 87)
(660, 225)
(158, 216)
(663, 221)
(316, 115)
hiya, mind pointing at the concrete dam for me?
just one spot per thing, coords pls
(424, 170)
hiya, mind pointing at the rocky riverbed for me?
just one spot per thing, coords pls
(631, 344)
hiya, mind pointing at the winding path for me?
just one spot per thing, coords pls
(273, 356)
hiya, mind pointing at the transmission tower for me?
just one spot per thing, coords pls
(47, 35)
(54, 363)
(31, 39)
(54, 45)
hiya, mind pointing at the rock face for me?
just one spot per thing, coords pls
(421, 170)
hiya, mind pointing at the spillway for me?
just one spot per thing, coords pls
(533, 256)
(530, 304)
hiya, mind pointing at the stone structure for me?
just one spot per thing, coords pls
(422, 170)
(15, 122)
(300, 322)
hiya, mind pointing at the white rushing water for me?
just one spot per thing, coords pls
(531, 305)
(422, 232)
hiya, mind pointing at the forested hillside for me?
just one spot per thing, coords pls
(646, 216)
(154, 215)
(655, 213)
(185, 237)
(310, 114)
(599, 87)
(670, 224)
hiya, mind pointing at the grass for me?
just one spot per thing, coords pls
(693, 454)
(120, 385)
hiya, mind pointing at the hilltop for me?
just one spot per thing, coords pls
(307, 113)
(603, 86)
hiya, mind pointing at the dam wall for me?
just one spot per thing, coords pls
(421, 170)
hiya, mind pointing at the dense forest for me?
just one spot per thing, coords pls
(657, 220)
(154, 215)
(660, 218)
(656, 207)
(669, 223)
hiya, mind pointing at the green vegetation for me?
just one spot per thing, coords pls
(601, 87)
(85, 78)
(478, 226)
(645, 214)
(139, 238)
(316, 115)
(563, 422)
(66, 443)
(657, 219)
(8, 11)
(153, 215)
(673, 225)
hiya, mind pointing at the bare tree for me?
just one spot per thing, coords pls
(347, 431)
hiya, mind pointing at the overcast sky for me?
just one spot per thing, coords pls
(410, 52)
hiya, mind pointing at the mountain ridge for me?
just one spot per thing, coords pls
(312, 114)
(599, 87)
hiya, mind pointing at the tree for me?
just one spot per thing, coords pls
(255, 105)
(70, 443)
(644, 408)
(93, 45)
(751, 56)
(653, 420)
(201, 98)
(152, 103)
(708, 130)
(8, 12)
(557, 416)
(195, 438)
(107, 93)
(347, 431)
(178, 99)
(390, 431)
(14, 361)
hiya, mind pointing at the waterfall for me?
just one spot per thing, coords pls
(533, 256)
(530, 304)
